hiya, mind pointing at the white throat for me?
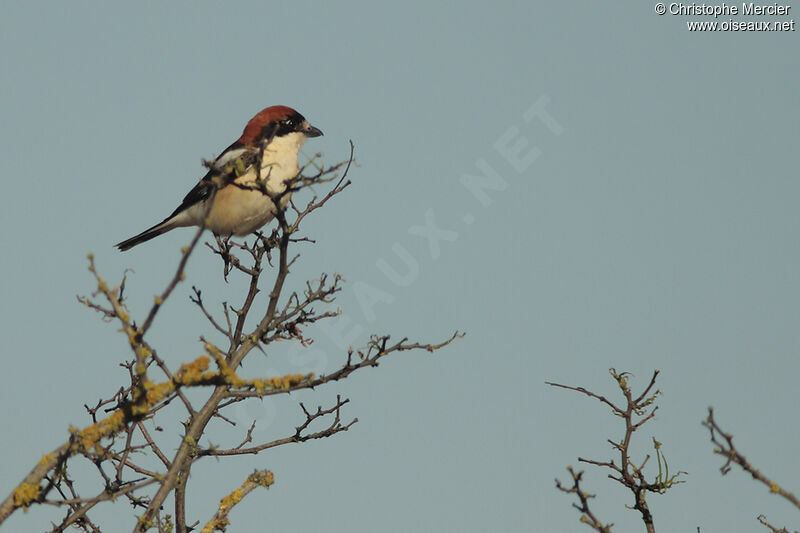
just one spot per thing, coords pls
(282, 153)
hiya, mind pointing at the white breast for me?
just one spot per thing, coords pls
(239, 212)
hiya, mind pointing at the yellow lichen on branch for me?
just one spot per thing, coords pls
(262, 478)
(25, 494)
(87, 438)
(259, 478)
(231, 499)
(230, 377)
(279, 383)
(195, 372)
(155, 392)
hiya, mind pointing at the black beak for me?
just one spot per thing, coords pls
(311, 131)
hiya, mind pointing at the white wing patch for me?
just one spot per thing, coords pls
(229, 156)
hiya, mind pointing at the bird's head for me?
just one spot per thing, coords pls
(274, 122)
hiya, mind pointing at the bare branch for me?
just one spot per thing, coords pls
(626, 472)
(723, 445)
(177, 278)
(587, 516)
(764, 522)
(334, 427)
(617, 410)
(197, 299)
(367, 357)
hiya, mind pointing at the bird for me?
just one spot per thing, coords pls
(230, 199)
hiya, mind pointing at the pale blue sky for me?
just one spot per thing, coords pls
(656, 230)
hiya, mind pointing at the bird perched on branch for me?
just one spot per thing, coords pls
(236, 196)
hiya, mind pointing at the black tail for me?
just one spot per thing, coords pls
(146, 235)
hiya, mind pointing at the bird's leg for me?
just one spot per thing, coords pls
(259, 237)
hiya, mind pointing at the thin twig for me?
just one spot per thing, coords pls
(727, 450)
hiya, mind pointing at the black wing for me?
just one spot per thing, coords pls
(223, 167)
